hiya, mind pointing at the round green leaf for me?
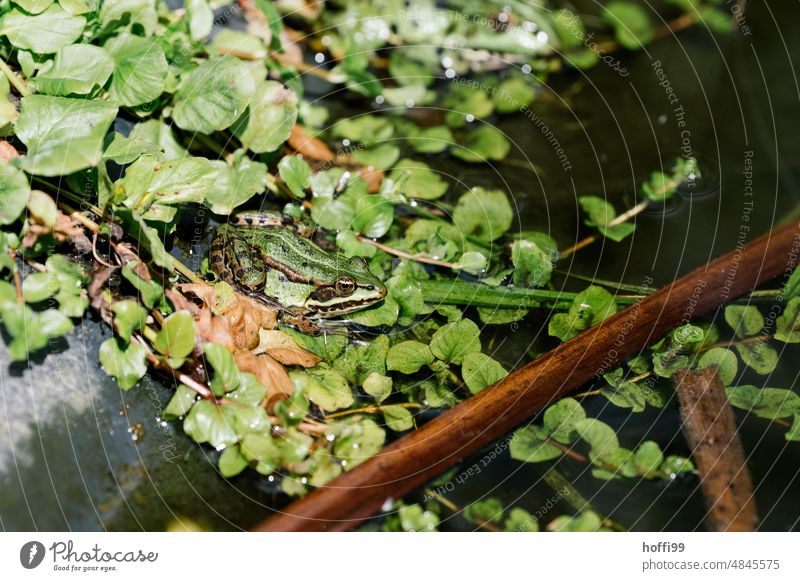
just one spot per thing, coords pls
(15, 190)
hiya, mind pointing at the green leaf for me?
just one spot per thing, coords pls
(325, 387)
(631, 23)
(520, 521)
(251, 393)
(413, 518)
(268, 121)
(124, 150)
(148, 181)
(589, 308)
(454, 341)
(31, 330)
(141, 71)
(207, 423)
(648, 459)
(15, 190)
(180, 403)
(489, 510)
(526, 446)
(724, 359)
(232, 461)
(62, 135)
(585, 522)
(792, 287)
(295, 172)
(384, 314)
(600, 214)
(378, 386)
(362, 359)
(760, 357)
(397, 418)
(674, 465)
(263, 450)
(793, 433)
(484, 214)
(129, 316)
(226, 375)
(238, 180)
(480, 371)
(561, 420)
(532, 265)
(150, 291)
(487, 143)
(114, 13)
(176, 339)
(38, 286)
(374, 216)
(126, 363)
(766, 402)
(788, 324)
(200, 17)
(34, 6)
(380, 157)
(463, 100)
(513, 94)
(746, 321)
(634, 395)
(600, 436)
(77, 70)
(213, 95)
(44, 33)
(356, 440)
(366, 129)
(430, 139)
(151, 240)
(416, 179)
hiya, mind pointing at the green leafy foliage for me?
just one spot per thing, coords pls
(124, 362)
(589, 308)
(630, 21)
(63, 135)
(602, 215)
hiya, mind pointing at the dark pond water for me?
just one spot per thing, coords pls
(68, 459)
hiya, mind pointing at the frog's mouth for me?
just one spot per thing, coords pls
(324, 302)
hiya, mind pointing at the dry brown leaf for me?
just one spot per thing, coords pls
(269, 372)
(284, 349)
(245, 316)
(7, 151)
(373, 177)
(310, 147)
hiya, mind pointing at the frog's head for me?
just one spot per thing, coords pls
(351, 287)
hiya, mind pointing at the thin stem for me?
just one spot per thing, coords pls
(567, 451)
(406, 255)
(625, 216)
(18, 82)
(17, 279)
(454, 508)
(746, 341)
(372, 409)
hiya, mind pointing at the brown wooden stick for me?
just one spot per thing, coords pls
(417, 458)
(716, 450)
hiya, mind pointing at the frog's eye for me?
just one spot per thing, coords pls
(345, 286)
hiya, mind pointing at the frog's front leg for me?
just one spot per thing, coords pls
(301, 323)
(249, 274)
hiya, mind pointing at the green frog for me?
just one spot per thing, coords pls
(270, 258)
